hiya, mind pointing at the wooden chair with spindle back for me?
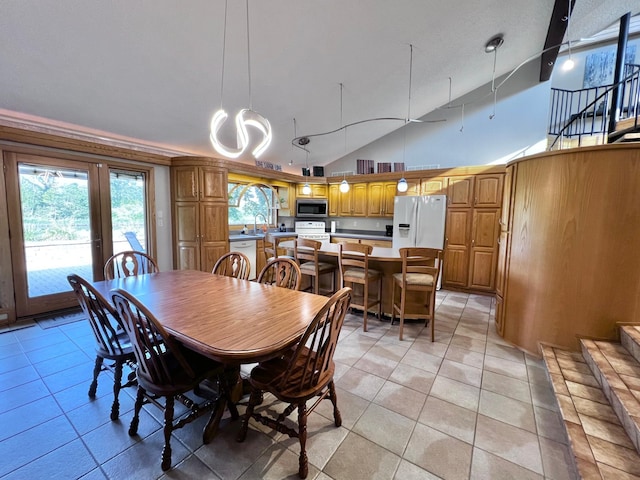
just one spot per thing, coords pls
(129, 263)
(233, 264)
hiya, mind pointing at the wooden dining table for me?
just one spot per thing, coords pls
(229, 320)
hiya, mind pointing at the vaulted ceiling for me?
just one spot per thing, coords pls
(151, 71)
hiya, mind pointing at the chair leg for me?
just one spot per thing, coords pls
(402, 303)
(303, 461)
(97, 367)
(117, 381)
(380, 298)
(393, 302)
(254, 400)
(168, 428)
(133, 428)
(337, 418)
(366, 304)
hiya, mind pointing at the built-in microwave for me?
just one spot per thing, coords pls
(311, 207)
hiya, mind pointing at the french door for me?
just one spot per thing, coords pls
(60, 219)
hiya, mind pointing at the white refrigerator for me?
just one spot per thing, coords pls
(419, 221)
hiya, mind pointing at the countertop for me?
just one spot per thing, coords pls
(368, 235)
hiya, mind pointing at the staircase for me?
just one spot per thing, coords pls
(598, 392)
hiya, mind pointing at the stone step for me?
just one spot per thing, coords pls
(601, 447)
(630, 337)
(618, 374)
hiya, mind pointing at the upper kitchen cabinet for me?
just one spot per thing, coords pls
(488, 190)
(318, 190)
(413, 185)
(196, 183)
(460, 191)
(380, 197)
(433, 186)
(348, 204)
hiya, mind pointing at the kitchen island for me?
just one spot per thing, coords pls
(387, 261)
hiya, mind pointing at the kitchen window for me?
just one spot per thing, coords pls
(248, 200)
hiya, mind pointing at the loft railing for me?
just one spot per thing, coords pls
(586, 112)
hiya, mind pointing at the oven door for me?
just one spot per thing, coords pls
(311, 208)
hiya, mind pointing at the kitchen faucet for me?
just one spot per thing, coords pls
(255, 222)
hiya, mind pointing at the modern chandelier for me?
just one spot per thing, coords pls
(245, 118)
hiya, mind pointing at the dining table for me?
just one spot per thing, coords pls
(229, 320)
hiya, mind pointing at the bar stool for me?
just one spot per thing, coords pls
(306, 255)
(420, 271)
(353, 260)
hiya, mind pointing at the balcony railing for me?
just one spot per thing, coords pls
(586, 112)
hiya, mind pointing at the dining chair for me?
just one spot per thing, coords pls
(306, 255)
(112, 342)
(129, 263)
(269, 247)
(353, 261)
(420, 271)
(300, 374)
(233, 264)
(168, 370)
(281, 272)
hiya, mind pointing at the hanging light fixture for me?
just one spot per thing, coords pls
(306, 188)
(569, 63)
(344, 185)
(246, 117)
(402, 183)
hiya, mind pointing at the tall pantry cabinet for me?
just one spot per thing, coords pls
(200, 211)
(472, 230)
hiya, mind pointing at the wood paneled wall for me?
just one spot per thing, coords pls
(574, 266)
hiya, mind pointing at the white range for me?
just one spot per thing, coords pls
(313, 231)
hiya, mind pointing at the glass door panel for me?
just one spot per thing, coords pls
(128, 210)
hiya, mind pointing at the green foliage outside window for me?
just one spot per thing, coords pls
(251, 201)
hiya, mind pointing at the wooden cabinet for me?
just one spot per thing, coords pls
(376, 243)
(472, 231)
(318, 190)
(380, 198)
(414, 187)
(433, 186)
(348, 204)
(484, 249)
(200, 216)
(261, 260)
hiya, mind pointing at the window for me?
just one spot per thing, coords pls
(246, 201)
(128, 210)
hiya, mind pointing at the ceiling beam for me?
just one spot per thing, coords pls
(555, 35)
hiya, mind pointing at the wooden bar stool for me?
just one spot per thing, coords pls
(306, 254)
(353, 260)
(420, 272)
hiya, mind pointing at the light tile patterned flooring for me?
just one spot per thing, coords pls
(467, 406)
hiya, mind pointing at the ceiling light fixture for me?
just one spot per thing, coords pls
(304, 141)
(402, 183)
(492, 46)
(246, 117)
(344, 185)
(569, 63)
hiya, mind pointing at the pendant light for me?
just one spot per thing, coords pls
(306, 188)
(569, 63)
(344, 185)
(246, 117)
(402, 183)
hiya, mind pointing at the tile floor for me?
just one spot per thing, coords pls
(466, 406)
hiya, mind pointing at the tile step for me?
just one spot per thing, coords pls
(601, 447)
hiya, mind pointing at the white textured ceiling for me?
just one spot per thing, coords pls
(151, 69)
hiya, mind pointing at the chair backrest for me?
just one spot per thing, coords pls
(156, 352)
(417, 260)
(233, 264)
(307, 250)
(354, 255)
(129, 263)
(281, 272)
(102, 317)
(269, 247)
(311, 365)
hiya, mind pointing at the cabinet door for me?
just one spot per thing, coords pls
(376, 243)
(319, 190)
(214, 226)
(460, 191)
(359, 199)
(433, 186)
(185, 183)
(213, 184)
(375, 201)
(484, 250)
(210, 253)
(186, 236)
(414, 188)
(501, 267)
(456, 252)
(488, 190)
(390, 192)
(346, 203)
(506, 199)
(300, 193)
(334, 200)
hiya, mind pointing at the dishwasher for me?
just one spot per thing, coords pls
(248, 247)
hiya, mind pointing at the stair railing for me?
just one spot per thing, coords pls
(585, 112)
